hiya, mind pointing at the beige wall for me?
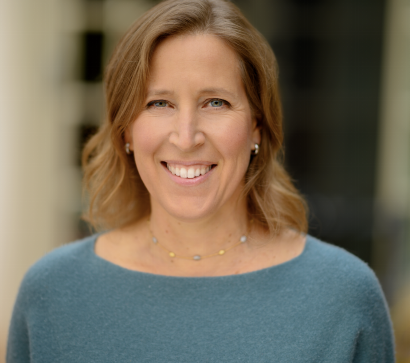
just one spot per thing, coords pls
(392, 230)
(28, 143)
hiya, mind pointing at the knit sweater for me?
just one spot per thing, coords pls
(323, 306)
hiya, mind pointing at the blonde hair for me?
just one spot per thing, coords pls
(117, 195)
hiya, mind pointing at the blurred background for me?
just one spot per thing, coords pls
(344, 70)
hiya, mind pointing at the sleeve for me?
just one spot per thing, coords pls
(375, 343)
(18, 344)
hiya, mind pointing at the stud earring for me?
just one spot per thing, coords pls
(256, 151)
(127, 148)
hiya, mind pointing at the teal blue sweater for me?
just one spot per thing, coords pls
(323, 306)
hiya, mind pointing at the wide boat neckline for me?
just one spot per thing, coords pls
(287, 264)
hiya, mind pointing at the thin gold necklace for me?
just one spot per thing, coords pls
(171, 254)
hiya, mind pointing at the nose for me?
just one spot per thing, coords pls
(186, 135)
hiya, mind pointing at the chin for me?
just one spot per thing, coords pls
(190, 209)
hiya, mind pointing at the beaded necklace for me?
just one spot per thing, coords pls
(171, 254)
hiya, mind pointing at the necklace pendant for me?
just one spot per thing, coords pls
(197, 257)
(171, 254)
(243, 239)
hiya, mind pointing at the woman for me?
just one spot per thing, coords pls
(206, 258)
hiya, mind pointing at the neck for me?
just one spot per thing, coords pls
(198, 237)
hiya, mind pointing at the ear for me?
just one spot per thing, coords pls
(128, 137)
(256, 133)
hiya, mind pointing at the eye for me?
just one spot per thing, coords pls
(217, 103)
(158, 103)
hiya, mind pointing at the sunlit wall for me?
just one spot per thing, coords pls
(392, 211)
(29, 141)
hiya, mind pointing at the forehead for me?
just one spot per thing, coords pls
(200, 60)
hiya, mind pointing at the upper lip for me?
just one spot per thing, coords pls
(189, 163)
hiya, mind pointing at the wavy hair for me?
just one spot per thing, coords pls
(117, 195)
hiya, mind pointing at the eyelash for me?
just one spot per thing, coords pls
(226, 103)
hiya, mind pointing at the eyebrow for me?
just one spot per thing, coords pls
(159, 92)
(204, 91)
(217, 90)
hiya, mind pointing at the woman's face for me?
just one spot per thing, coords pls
(192, 142)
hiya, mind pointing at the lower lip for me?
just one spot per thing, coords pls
(186, 181)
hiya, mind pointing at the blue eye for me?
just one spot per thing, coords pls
(160, 103)
(217, 103)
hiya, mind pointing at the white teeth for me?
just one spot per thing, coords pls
(183, 173)
(191, 173)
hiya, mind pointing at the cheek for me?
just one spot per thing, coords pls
(234, 140)
(145, 138)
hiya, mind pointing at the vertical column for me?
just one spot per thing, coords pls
(29, 147)
(392, 236)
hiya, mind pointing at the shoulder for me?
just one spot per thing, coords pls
(67, 260)
(64, 257)
(348, 288)
(343, 274)
(338, 261)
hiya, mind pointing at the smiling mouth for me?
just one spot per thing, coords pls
(188, 172)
